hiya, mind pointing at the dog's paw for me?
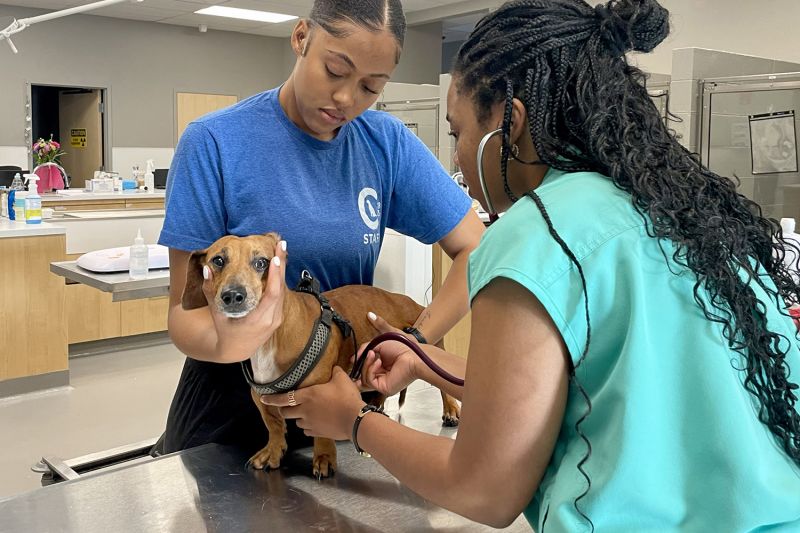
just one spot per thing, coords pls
(451, 414)
(269, 458)
(324, 466)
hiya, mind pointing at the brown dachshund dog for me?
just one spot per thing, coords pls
(240, 266)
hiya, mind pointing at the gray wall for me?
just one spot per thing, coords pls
(422, 55)
(143, 64)
(449, 52)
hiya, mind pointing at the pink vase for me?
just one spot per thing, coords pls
(49, 178)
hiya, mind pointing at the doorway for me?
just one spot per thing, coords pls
(76, 118)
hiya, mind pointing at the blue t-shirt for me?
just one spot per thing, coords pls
(248, 170)
(676, 441)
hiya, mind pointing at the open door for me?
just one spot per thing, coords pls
(81, 133)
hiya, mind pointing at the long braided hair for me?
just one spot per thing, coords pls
(588, 109)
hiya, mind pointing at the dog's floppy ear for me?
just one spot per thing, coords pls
(273, 237)
(193, 296)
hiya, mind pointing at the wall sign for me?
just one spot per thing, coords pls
(77, 138)
(773, 142)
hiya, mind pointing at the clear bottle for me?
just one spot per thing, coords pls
(33, 202)
(149, 176)
(139, 263)
(16, 183)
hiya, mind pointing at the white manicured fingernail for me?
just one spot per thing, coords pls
(283, 245)
(372, 316)
(206, 272)
(276, 261)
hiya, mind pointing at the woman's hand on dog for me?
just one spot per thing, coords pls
(238, 339)
(390, 368)
(328, 410)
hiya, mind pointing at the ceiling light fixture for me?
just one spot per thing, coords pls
(245, 14)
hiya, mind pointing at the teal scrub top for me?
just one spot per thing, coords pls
(676, 442)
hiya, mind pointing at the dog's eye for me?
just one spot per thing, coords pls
(260, 264)
(218, 261)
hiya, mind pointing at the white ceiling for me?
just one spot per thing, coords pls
(181, 12)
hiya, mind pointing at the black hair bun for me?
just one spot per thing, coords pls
(638, 25)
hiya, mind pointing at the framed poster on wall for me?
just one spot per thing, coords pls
(773, 142)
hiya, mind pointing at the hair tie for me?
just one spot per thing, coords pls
(613, 30)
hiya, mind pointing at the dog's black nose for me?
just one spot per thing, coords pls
(234, 296)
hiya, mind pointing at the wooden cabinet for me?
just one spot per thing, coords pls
(143, 316)
(91, 315)
(123, 202)
(88, 205)
(457, 340)
(33, 334)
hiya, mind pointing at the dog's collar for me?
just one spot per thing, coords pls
(315, 347)
(312, 353)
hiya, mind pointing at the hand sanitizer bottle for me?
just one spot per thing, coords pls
(139, 258)
(33, 202)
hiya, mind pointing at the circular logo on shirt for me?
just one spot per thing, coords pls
(370, 208)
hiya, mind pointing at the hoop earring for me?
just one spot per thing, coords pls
(513, 152)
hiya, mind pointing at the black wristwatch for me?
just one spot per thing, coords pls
(364, 410)
(411, 330)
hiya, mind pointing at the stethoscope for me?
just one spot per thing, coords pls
(358, 365)
(493, 216)
(514, 154)
(355, 373)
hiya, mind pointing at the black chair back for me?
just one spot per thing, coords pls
(7, 175)
(160, 178)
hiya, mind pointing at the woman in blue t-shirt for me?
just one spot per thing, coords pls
(630, 366)
(331, 177)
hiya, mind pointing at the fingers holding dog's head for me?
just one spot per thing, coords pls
(266, 246)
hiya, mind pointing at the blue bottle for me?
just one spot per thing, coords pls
(11, 194)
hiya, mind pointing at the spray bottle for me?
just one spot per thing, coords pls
(138, 265)
(149, 176)
(33, 202)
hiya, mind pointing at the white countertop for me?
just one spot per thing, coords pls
(106, 215)
(75, 195)
(12, 228)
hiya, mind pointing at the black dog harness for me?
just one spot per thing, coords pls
(315, 347)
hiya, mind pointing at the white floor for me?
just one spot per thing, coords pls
(114, 399)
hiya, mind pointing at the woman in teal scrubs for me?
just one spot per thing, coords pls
(630, 366)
